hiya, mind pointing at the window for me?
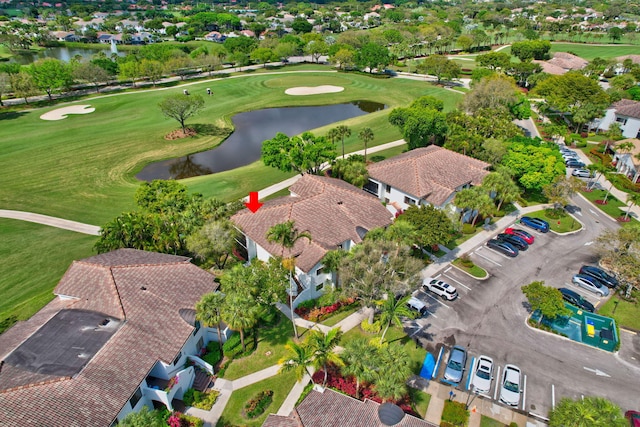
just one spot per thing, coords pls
(135, 398)
(388, 189)
(409, 200)
(177, 359)
(638, 134)
(386, 200)
(621, 120)
(320, 271)
(319, 287)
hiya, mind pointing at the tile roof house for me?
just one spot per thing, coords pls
(628, 161)
(561, 63)
(328, 408)
(626, 113)
(121, 325)
(336, 215)
(424, 176)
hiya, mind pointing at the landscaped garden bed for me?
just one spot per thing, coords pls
(257, 405)
(200, 400)
(316, 310)
(454, 414)
(559, 221)
(465, 264)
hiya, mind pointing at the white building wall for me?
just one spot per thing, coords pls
(631, 128)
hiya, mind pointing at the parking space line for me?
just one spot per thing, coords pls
(471, 371)
(594, 212)
(488, 259)
(553, 397)
(496, 252)
(458, 282)
(436, 300)
(524, 393)
(450, 267)
(495, 392)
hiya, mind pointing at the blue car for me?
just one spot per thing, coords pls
(535, 223)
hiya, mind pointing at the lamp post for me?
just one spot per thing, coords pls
(615, 305)
(475, 394)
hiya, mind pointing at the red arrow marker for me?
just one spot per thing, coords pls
(253, 204)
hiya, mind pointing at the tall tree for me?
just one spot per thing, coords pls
(287, 235)
(323, 346)
(474, 199)
(360, 359)
(332, 262)
(240, 312)
(91, 73)
(51, 75)
(23, 85)
(5, 85)
(343, 132)
(561, 190)
(633, 199)
(420, 125)
(439, 66)
(505, 189)
(214, 241)
(373, 56)
(209, 311)
(304, 154)
(392, 310)
(299, 358)
(619, 251)
(432, 226)
(588, 412)
(181, 107)
(366, 136)
(548, 300)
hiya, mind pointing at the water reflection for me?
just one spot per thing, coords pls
(244, 145)
(61, 53)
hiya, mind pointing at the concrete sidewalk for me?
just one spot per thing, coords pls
(65, 224)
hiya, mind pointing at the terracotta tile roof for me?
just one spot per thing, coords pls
(627, 108)
(331, 210)
(280, 421)
(148, 297)
(431, 173)
(568, 61)
(634, 58)
(551, 68)
(333, 409)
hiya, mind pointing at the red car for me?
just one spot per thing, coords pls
(527, 237)
(633, 417)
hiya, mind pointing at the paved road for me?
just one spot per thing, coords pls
(489, 318)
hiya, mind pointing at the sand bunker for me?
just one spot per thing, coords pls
(306, 90)
(61, 113)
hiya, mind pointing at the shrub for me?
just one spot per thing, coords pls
(513, 424)
(199, 399)
(468, 229)
(232, 348)
(213, 354)
(377, 158)
(605, 159)
(372, 328)
(466, 261)
(455, 413)
(256, 406)
(328, 298)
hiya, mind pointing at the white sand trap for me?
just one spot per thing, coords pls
(307, 90)
(61, 113)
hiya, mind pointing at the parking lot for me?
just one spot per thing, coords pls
(489, 318)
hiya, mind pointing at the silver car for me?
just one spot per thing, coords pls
(483, 375)
(591, 284)
(510, 386)
(581, 173)
(455, 365)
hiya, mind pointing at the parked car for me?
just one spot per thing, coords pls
(510, 385)
(570, 156)
(526, 236)
(576, 299)
(574, 164)
(633, 417)
(608, 279)
(506, 248)
(535, 223)
(440, 288)
(418, 306)
(591, 284)
(581, 173)
(516, 241)
(483, 375)
(455, 364)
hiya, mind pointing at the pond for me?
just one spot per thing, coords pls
(61, 53)
(244, 145)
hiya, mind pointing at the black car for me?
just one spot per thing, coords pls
(516, 241)
(506, 248)
(574, 164)
(597, 273)
(574, 298)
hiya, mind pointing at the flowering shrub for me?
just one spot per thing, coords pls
(315, 314)
(256, 406)
(172, 382)
(181, 420)
(336, 381)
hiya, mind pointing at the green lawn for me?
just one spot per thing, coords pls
(475, 271)
(270, 349)
(420, 401)
(590, 51)
(612, 207)
(333, 320)
(627, 313)
(389, 152)
(281, 385)
(394, 335)
(34, 258)
(566, 223)
(490, 422)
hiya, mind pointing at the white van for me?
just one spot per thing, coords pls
(418, 306)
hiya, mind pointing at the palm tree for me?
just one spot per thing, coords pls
(392, 310)
(366, 136)
(323, 346)
(208, 311)
(389, 389)
(240, 312)
(332, 261)
(343, 132)
(588, 412)
(393, 370)
(333, 134)
(506, 190)
(359, 358)
(286, 235)
(633, 199)
(299, 358)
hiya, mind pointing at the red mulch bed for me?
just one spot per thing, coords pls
(179, 134)
(623, 219)
(601, 202)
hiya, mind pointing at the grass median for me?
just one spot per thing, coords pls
(560, 223)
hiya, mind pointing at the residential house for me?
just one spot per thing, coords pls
(336, 214)
(65, 36)
(107, 38)
(215, 36)
(120, 331)
(561, 63)
(325, 407)
(624, 112)
(425, 176)
(627, 162)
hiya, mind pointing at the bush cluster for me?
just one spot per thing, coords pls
(199, 399)
(605, 159)
(468, 228)
(623, 183)
(212, 355)
(372, 328)
(256, 406)
(232, 348)
(315, 313)
(454, 414)
(182, 420)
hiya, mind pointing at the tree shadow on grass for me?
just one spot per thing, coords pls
(12, 115)
(211, 129)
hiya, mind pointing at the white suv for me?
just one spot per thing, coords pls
(441, 288)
